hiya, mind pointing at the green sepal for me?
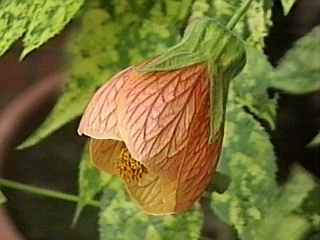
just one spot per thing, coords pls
(183, 54)
(206, 42)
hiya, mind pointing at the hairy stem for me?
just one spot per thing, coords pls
(44, 192)
(237, 16)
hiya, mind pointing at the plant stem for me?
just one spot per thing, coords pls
(44, 192)
(237, 16)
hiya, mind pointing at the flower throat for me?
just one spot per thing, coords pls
(130, 169)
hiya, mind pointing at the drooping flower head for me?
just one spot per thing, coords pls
(159, 125)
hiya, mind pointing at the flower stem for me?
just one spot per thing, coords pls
(237, 16)
(44, 192)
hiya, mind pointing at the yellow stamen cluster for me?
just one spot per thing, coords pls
(130, 169)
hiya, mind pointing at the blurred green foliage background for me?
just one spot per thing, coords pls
(107, 36)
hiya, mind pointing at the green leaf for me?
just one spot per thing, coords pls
(310, 208)
(121, 219)
(315, 141)
(255, 24)
(254, 204)
(277, 223)
(108, 40)
(287, 5)
(258, 22)
(47, 19)
(299, 70)
(91, 182)
(2, 198)
(38, 20)
(70, 105)
(248, 159)
(13, 22)
(250, 87)
(290, 226)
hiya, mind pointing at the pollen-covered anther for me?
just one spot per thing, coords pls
(130, 169)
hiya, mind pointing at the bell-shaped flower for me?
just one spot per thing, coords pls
(159, 125)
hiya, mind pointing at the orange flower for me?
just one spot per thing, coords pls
(152, 129)
(159, 126)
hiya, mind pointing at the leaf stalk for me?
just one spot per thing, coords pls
(44, 192)
(238, 15)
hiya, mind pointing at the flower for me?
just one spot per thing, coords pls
(151, 124)
(152, 130)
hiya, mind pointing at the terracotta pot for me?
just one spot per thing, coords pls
(14, 119)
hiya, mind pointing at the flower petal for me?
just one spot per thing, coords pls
(160, 195)
(165, 125)
(156, 111)
(100, 119)
(105, 154)
(154, 194)
(199, 163)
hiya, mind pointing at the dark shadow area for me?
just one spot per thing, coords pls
(298, 117)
